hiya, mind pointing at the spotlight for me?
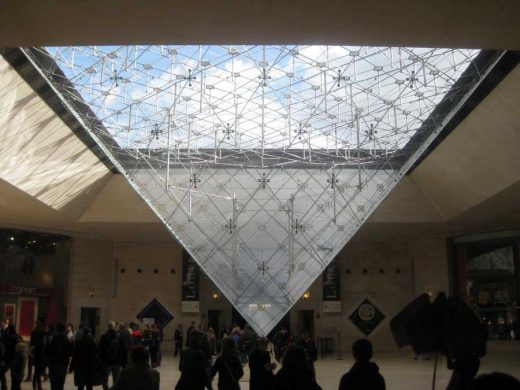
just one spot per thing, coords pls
(215, 295)
(306, 294)
(11, 238)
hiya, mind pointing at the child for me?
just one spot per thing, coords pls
(18, 367)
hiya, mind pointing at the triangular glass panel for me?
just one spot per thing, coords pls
(263, 161)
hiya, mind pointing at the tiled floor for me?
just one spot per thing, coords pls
(400, 370)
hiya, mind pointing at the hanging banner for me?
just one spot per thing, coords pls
(331, 288)
(190, 284)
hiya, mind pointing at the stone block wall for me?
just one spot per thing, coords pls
(389, 274)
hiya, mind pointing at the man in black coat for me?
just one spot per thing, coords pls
(38, 358)
(309, 346)
(58, 353)
(188, 332)
(364, 374)
(178, 337)
(113, 356)
(139, 376)
(126, 343)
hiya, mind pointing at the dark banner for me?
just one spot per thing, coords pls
(190, 278)
(331, 290)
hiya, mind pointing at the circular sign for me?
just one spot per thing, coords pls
(366, 312)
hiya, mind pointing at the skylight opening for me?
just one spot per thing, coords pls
(287, 102)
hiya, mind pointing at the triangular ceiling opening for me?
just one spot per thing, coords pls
(263, 161)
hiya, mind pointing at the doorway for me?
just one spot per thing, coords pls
(306, 321)
(214, 321)
(27, 316)
(90, 318)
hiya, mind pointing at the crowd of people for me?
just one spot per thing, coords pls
(129, 354)
(123, 353)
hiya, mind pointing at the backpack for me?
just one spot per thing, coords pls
(112, 349)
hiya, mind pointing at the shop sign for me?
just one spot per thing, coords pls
(27, 291)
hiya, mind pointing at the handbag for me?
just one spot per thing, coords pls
(235, 382)
(180, 383)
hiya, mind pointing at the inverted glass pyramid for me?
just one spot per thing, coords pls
(263, 161)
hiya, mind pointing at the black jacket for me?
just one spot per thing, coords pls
(229, 372)
(362, 376)
(10, 341)
(287, 379)
(138, 377)
(104, 346)
(194, 375)
(261, 378)
(85, 362)
(59, 351)
(38, 345)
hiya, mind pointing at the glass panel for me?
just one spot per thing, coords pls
(263, 161)
(493, 289)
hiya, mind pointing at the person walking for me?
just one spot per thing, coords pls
(364, 374)
(280, 341)
(11, 338)
(18, 366)
(126, 343)
(188, 332)
(160, 339)
(151, 338)
(309, 346)
(112, 354)
(7, 351)
(86, 363)
(37, 355)
(178, 338)
(137, 336)
(193, 364)
(295, 373)
(58, 353)
(3, 364)
(212, 341)
(228, 366)
(260, 367)
(139, 376)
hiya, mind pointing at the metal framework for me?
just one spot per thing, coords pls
(262, 160)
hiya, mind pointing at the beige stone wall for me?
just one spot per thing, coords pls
(380, 272)
(430, 259)
(121, 295)
(387, 273)
(90, 279)
(161, 276)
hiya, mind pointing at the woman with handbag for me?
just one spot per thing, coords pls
(194, 364)
(260, 367)
(228, 366)
(86, 364)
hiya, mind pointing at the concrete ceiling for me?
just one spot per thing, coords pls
(480, 158)
(50, 181)
(425, 23)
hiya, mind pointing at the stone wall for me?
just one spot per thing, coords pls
(389, 274)
(90, 279)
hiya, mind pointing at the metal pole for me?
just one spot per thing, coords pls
(435, 370)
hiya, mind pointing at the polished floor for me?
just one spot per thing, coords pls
(400, 370)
